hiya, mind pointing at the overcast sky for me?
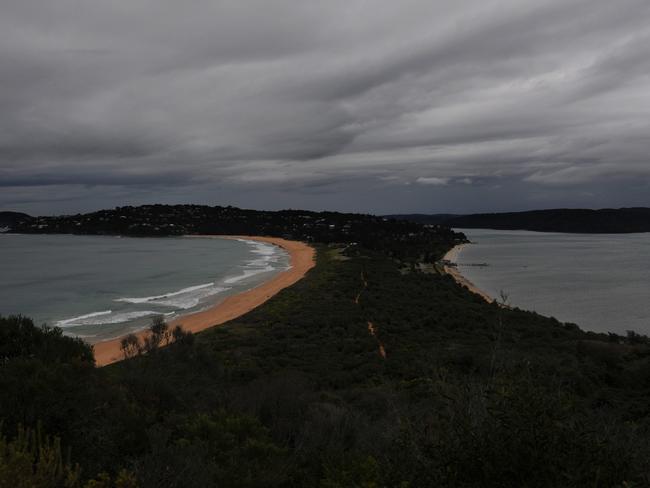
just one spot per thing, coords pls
(374, 106)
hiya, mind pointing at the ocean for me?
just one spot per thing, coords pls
(102, 287)
(600, 282)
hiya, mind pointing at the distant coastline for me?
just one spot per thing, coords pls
(564, 220)
(302, 259)
(452, 270)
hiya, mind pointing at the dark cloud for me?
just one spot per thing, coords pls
(375, 106)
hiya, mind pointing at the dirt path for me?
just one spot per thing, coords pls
(372, 330)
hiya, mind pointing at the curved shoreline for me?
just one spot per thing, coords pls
(452, 256)
(302, 258)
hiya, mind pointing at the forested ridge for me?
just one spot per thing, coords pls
(571, 220)
(297, 392)
(398, 237)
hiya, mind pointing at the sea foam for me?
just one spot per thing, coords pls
(268, 254)
(185, 298)
(103, 318)
(247, 273)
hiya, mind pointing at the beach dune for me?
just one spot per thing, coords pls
(302, 259)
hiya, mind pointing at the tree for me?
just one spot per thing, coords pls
(20, 338)
(160, 330)
(181, 336)
(130, 346)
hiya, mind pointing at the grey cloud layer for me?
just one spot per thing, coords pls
(324, 98)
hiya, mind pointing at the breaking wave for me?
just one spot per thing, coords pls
(185, 298)
(103, 318)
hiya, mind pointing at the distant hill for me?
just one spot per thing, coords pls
(434, 219)
(10, 219)
(583, 221)
(622, 220)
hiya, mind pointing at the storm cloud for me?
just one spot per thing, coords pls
(380, 106)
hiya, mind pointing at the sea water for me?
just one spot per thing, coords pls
(101, 287)
(599, 281)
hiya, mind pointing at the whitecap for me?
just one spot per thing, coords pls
(63, 323)
(166, 295)
(104, 318)
(247, 274)
(186, 298)
(266, 256)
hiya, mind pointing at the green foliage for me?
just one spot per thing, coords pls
(20, 338)
(33, 461)
(353, 473)
(217, 449)
(123, 479)
(511, 434)
(159, 334)
(48, 380)
(181, 336)
(227, 439)
(130, 346)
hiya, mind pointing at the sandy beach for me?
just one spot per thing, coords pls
(302, 258)
(452, 257)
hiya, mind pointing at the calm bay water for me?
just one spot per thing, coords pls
(600, 282)
(98, 287)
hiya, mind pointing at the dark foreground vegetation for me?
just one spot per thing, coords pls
(583, 221)
(297, 393)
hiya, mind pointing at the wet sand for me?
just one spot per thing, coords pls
(302, 258)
